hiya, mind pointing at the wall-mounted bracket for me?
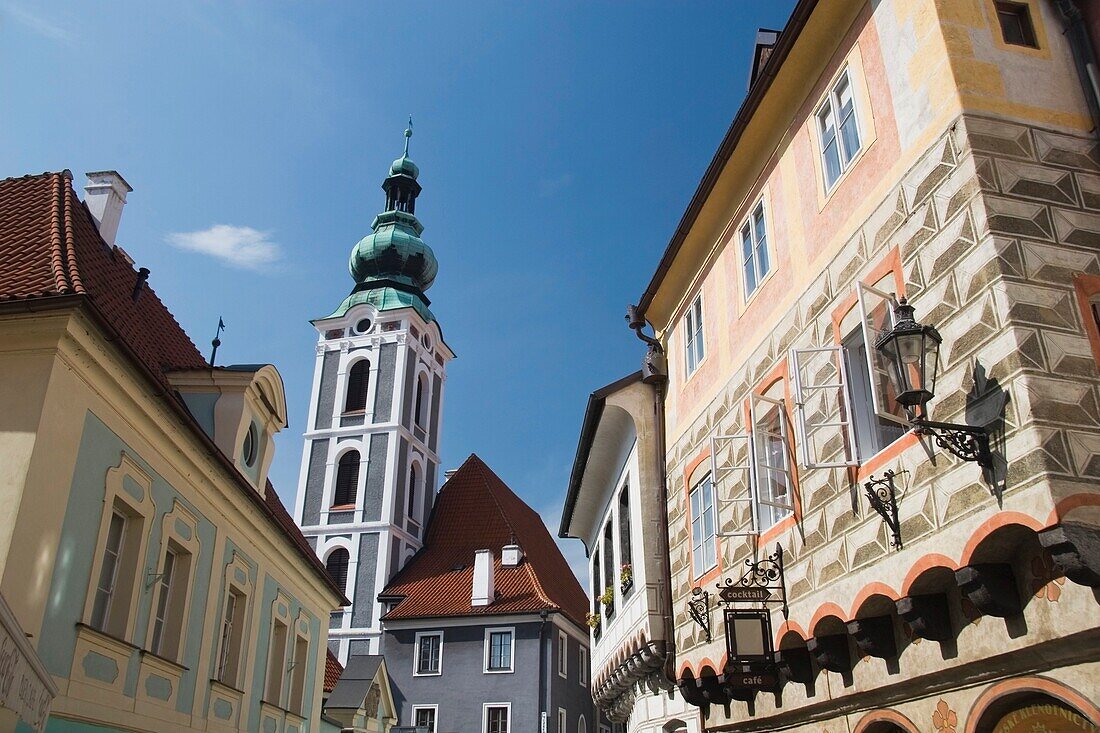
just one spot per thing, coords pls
(883, 498)
(699, 609)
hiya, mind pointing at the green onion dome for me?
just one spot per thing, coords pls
(395, 252)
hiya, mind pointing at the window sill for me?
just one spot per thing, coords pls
(341, 507)
(498, 671)
(755, 294)
(164, 660)
(226, 686)
(85, 628)
(427, 674)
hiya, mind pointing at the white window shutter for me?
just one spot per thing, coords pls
(823, 405)
(774, 483)
(731, 455)
(876, 313)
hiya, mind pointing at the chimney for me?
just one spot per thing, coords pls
(511, 556)
(448, 473)
(105, 195)
(483, 592)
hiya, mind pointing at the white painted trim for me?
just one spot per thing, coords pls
(563, 721)
(583, 667)
(416, 653)
(563, 655)
(485, 714)
(435, 718)
(511, 653)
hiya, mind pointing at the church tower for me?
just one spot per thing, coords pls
(371, 462)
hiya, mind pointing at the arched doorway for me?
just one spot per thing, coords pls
(1033, 705)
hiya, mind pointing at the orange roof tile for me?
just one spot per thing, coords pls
(50, 247)
(333, 670)
(475, 510)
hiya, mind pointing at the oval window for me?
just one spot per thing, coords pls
(363, 326)
(248, 451)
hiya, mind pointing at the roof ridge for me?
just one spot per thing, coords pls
(57, 253)
(70, 244)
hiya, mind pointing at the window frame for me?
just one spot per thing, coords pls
(347, 569)
(626, 535)
(749, 224)
(563, 721)
(1019, 10)
(582, 666)
(486, 707)
(783, 434)
(563, 654)
(697, 554)
(831, 101)
(349, 492)
(296, 695)
(416, 653)
(353, 369)
(177, 595)
(276, 666)
(433, 708)
(488, 651)
(695, 351)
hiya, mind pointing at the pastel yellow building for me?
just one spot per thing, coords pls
(156, 574)
(938, 151)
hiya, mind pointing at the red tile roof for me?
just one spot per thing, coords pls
(50, 248)
(475, 510)
(333, 670)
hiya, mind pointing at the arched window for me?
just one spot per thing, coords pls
(337, 567)
(413, 483)
(358, 381)
(421, 412)
(582, 727)
(347, 479)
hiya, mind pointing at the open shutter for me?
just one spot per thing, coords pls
(876, 312)
(824, 409)
(774, 484)
(731, 470)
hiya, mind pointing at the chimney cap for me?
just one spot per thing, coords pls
(107, 178)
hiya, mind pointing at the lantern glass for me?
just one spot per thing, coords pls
(912, 355)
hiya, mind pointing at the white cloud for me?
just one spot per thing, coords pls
(242, 247)
(37, 24)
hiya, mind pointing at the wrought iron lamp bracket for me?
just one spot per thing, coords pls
(699, 609)
(883, 498)
(968, 442)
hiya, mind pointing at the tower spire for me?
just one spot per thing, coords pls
(408, 134)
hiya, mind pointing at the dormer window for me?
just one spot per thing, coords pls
(250, 447)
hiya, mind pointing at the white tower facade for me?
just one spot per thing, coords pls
(370, 464)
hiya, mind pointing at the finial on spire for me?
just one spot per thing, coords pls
(217, 340)
(408, 134)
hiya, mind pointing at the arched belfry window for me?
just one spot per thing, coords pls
(347, 479)
(358, 381)
(421, 412)
(414, 481)
(337, 567)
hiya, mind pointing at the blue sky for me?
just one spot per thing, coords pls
(559, 144)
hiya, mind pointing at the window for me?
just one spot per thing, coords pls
(276, 664)
(754, 249)
(414, 482)
(838, 127)
(337, 567)
(497, 717)
(358, 381)
(626, 569)
(248, 450)
(363, 326)
(693, 334)
(561, 721)
(582, 727)
(232, 633)
(609, 565)
(421, 411)
(582, 666)
(773, 474)
(704, 530)
(429, 653)
(1016, 26)
(872, 433)
(498, 650)
(347, 479)
(424, 717)
(171, 599)
(108, 574)
(563, 654)
(298, 675)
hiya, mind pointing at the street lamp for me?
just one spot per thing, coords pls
(912, 353)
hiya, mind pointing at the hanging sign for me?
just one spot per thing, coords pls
(741, 594)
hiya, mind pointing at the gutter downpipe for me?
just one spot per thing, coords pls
(544, 692)
(1084, 56)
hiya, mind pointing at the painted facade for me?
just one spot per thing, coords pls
(142, 549)
(370, 463)
(615, 506)
(945, 151)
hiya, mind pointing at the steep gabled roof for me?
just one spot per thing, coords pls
(50, 250)
(333, 670)
(475, 510)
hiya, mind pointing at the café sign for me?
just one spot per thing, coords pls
(26, 688)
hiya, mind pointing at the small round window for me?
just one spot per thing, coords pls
(363, 326)
(248, 450)
(427, 341)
